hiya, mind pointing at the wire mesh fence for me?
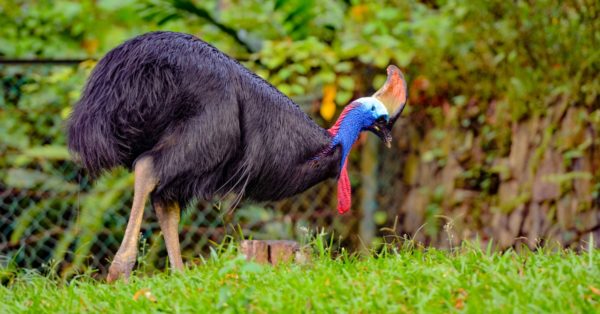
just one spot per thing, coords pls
(38, 227)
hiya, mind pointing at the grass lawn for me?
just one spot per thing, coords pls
(411, 280)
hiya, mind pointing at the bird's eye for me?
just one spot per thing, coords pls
(372, 108)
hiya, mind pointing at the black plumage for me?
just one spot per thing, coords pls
(210, 125)
(194, 123)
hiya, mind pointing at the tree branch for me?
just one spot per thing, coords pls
(190, 7)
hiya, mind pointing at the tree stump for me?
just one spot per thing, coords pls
(257, 251)
(273, 251)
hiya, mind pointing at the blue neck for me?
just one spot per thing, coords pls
(348, 132)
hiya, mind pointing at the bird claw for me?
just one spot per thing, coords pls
(119, 269)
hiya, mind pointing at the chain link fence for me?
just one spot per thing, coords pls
(39, 228)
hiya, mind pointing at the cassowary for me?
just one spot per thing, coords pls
(192, 122)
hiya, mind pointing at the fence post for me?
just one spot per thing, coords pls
(368, 203)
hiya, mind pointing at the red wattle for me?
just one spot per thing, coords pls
(344, 190)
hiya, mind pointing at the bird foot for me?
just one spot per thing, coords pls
(120, 268)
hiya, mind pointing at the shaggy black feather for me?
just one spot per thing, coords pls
(210, 125)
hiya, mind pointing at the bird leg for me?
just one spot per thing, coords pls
(168, 218)
(145, 182)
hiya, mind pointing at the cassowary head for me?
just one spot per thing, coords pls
(372, 113)
(363, 114)
(367, 114)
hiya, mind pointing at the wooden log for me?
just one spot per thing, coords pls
(273, 251)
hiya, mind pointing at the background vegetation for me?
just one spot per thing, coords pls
(500, 139)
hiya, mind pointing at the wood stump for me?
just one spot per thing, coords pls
(273, 251)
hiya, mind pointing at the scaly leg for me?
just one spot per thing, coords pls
(145, 182)
(168, 218)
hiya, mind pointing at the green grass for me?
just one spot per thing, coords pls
(410, 280)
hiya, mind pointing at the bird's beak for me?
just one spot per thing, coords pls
(383, 130)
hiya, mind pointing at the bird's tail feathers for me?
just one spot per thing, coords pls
(93, 142)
